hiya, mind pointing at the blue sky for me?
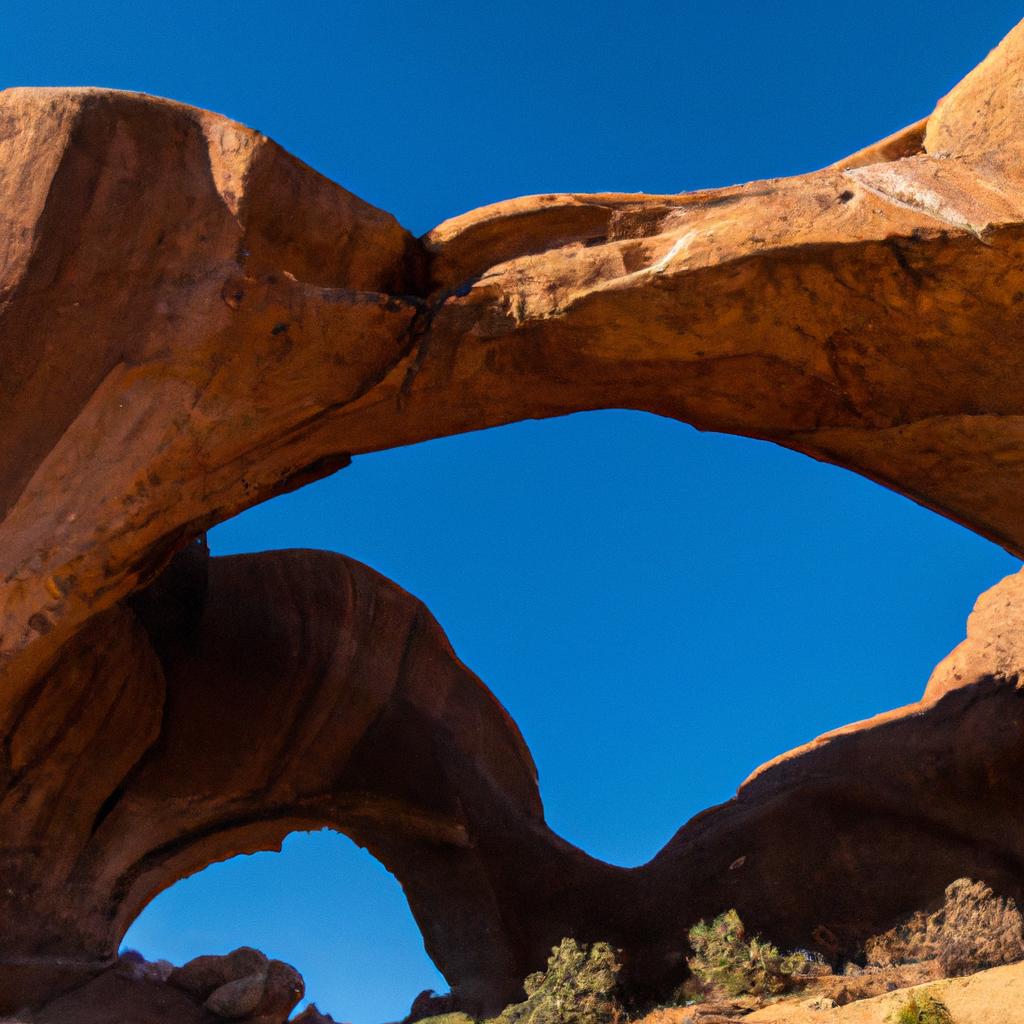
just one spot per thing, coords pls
(660, 609)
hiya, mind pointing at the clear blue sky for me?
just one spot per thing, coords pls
(661, 610)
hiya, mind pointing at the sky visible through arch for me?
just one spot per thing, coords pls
(660, 610)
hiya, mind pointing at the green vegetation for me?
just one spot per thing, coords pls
(921, 1008)
(579, 987)
(726, 961)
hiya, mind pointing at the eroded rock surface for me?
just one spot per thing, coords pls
(192, 321)
(994, 648)
(309, 692)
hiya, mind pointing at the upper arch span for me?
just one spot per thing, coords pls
(192, 321)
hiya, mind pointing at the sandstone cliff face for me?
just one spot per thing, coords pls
(192, 321)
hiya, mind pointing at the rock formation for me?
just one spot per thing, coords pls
(994, 648)
(243, 986)
(192, 321)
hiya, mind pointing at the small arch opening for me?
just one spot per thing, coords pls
(322, 903)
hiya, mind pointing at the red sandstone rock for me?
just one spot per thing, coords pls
(114, 998)
(222, 323)
(293, 690)
(192, 321)
(137, 992)
(367, 723)
(311, 1015)
(239, 998)
(201, 977)
(994, 648)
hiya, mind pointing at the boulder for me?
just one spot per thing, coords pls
(311, 1015)
(238, 998)
(205, 974)
(114, 998)
(283, 988)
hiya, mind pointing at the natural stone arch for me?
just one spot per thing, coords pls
(222, 324)
(300, 690)
(192, 321)
(243, 698)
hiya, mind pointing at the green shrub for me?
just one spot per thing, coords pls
(921, 1008)
(579, 987)
(726, 961)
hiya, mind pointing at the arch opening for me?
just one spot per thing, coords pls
(690, 604)
(366, 960)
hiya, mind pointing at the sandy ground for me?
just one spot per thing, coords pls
(989, 997)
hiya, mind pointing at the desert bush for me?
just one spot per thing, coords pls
(972, 931)
(580, 986)
(921, 1008)
(727, 961)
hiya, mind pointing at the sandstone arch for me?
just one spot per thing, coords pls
(288, 690)
(192, 321)
(242, 698)
(256, 325)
